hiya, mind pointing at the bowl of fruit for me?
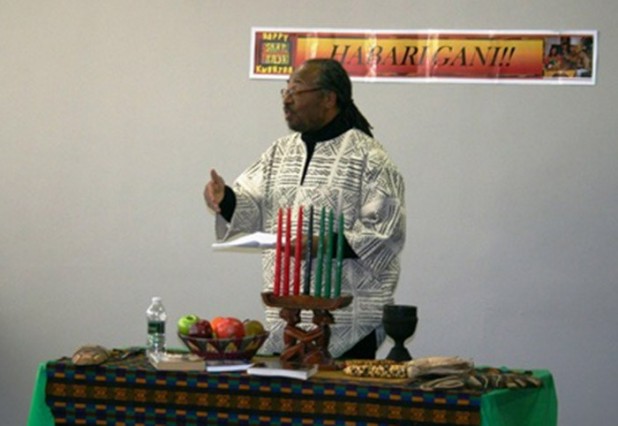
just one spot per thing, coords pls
(221, 338)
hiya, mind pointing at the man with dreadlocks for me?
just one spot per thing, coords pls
(330, 160)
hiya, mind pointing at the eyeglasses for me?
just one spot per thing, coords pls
(294, 92)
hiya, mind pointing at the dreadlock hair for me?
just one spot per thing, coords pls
(332, 76)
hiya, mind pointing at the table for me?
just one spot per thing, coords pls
(131, 392)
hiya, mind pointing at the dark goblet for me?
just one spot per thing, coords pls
(399, 323)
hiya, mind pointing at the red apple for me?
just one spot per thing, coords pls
(202, 328)
(227, 327)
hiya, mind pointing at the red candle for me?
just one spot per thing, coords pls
(286, 260)
(319, 266)
(277, 286)
(299, 251)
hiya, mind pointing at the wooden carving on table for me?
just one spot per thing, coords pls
(306, 346)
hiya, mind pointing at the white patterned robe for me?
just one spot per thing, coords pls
(352, 171)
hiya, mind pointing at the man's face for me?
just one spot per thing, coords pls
(306, 109)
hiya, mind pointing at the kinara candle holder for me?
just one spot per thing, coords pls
(302, 346)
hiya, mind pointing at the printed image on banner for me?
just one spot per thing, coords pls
(274, 53)
(433, 56)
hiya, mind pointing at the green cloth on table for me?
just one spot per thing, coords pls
(40, 414)
(529, 407)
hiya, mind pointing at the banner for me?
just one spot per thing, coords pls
(525, 57)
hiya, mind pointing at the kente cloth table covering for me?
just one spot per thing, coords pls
(131, 392)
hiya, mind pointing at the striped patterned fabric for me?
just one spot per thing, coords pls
(131, 392)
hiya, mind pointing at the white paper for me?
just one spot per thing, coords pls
(258, 240)
(226, 366)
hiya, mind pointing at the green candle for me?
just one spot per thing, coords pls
(309, 253)
(318, 271)
(328, 267)
(339, 268)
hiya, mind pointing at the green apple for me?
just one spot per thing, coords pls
(185, 323)
(253, 327)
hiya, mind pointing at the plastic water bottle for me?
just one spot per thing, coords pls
(156, 316)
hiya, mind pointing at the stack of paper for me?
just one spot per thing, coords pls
(274, 368)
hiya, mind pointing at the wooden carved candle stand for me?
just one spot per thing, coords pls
(306, 346)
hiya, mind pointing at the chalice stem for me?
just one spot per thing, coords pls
(399, 352)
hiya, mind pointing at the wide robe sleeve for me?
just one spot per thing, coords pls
(249, 191)
(378, 234)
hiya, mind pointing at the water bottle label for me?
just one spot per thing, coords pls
(156, 327)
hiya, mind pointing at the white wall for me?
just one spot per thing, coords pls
(113, 112)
